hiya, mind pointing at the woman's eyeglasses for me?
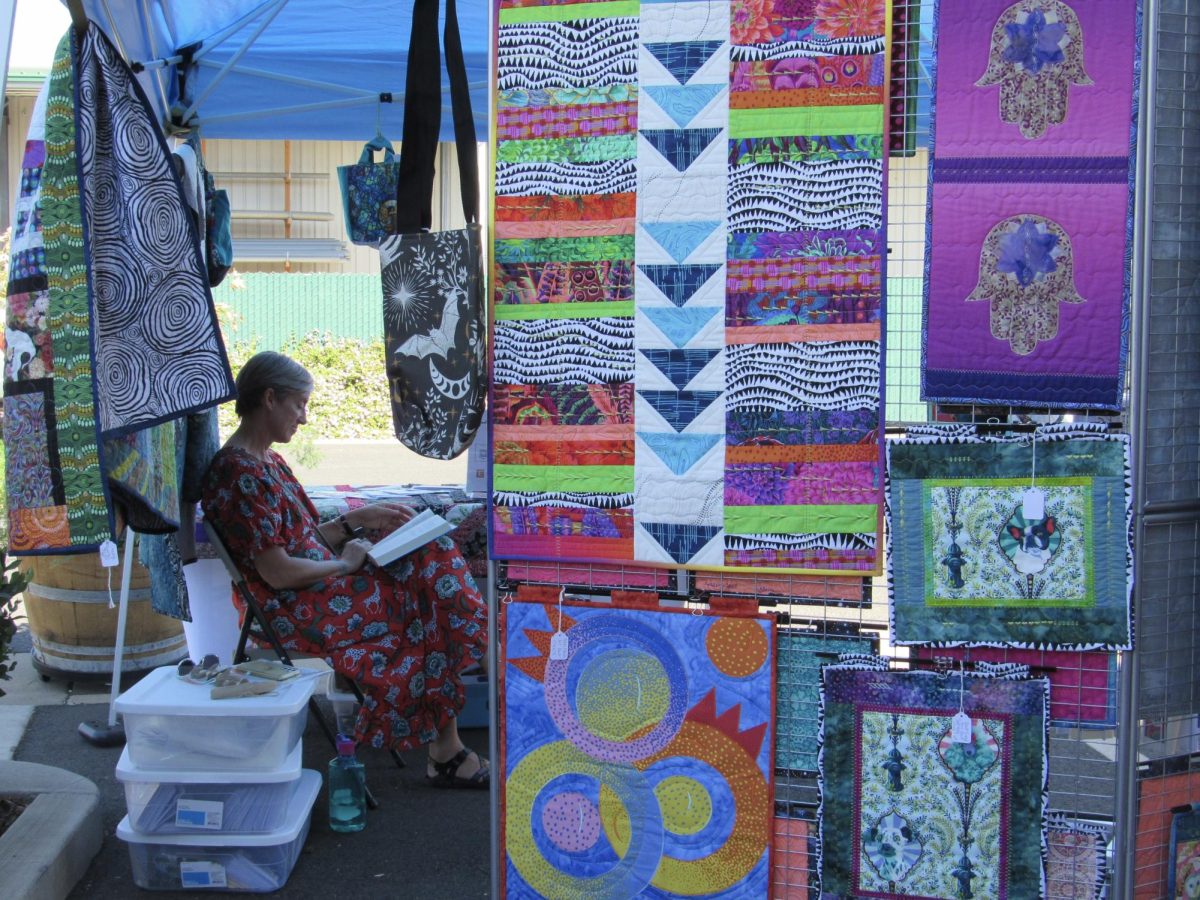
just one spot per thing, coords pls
(199, 672)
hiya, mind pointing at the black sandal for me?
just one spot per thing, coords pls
(447, 772)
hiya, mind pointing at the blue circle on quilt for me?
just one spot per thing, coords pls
(586, 640)
(558, 770)
(694, 843)
(566, 825)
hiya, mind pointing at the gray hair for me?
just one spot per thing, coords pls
(266, 370)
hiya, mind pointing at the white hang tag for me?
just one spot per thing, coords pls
(559, 645)
(960, 728)
(108, 555)
(1033, 505)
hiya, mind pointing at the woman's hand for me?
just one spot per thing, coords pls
(382, 516)
(354, 553)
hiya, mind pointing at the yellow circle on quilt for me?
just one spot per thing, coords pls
(685, 804)
(737, 647)
(620, 693)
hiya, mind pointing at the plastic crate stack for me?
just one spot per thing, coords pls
(214, 789)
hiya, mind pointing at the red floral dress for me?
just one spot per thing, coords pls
(404, 633)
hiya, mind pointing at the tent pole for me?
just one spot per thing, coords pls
(241, 51)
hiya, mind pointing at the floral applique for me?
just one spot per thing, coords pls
(850, 18)
(1036, 55)
(1026, 269)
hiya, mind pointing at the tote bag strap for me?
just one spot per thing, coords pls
(423, 120)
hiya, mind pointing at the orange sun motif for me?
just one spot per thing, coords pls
(737, 647)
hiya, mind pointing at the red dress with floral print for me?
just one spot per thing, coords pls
(405, 633)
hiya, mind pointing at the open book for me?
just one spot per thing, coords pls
(416, 532)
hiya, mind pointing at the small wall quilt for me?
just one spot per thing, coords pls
(792, 860)
(1030, 216)
(689, 284)
(1083, 685)
(906, 811)
(971, 563)
(1183, 873)
(638, 760)
(798, 691)
(1076, 859)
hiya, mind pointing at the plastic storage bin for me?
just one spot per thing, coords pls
(197, 802)
(172, 724)
(256, 863)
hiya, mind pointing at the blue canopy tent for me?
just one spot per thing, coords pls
(283, 69)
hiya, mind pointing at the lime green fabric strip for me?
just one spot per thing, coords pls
(569, 11)
(832, 519)
(513, 311)
(814, 120)
(584, 479)
(569, 150)
(586, 249)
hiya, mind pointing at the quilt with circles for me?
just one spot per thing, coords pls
(908, 810)
(637, 757)
(972, 563)
(689, 270)
(1030, 202)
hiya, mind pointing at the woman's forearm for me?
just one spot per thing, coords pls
(281, 571)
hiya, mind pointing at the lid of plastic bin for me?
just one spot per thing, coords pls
(289, 771)
(163, 692)
(298, 810)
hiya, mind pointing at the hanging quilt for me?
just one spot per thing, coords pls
(1076, 859)
(798, 691)
(637, 758)
(791, 864)
(1183, 873)
(158, 348)
(57, 497)
(1158, 797)
(973, 564)
(688, 277)
(1030, 214)
(1083, 685)
(906, 811)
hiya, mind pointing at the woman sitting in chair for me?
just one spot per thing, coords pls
(405, 633)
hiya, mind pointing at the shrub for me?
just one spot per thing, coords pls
(350, 387)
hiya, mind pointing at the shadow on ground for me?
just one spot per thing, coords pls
(421, 843)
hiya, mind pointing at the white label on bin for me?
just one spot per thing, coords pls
(199, 814)
(202, 874)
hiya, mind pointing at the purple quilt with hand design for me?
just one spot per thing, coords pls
(1027, 249)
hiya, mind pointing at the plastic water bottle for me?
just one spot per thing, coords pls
(347, 789)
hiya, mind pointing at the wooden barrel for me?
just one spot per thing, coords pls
(75, 633)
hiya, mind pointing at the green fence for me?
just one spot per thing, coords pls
(269, 308)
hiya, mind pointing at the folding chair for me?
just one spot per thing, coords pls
(256, 624)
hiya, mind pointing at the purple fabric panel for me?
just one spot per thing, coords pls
(796, 484)
(1089, 333)
(795, 427)
(784, 245)
(1098, 120)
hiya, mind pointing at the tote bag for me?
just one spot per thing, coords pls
(369, 193)
(433, 306)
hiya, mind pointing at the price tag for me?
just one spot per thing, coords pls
(960, 728)
(1033, 505)
(108, 554)
(199, 814)
(201, 874)
(558, 645)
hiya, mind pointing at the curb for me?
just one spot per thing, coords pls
(50, 846)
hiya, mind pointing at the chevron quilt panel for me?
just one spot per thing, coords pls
(688, 283)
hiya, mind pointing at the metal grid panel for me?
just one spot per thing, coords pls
(1166, 674)
(1083, 762)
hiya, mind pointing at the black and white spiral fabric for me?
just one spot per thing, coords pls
(157, 345)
